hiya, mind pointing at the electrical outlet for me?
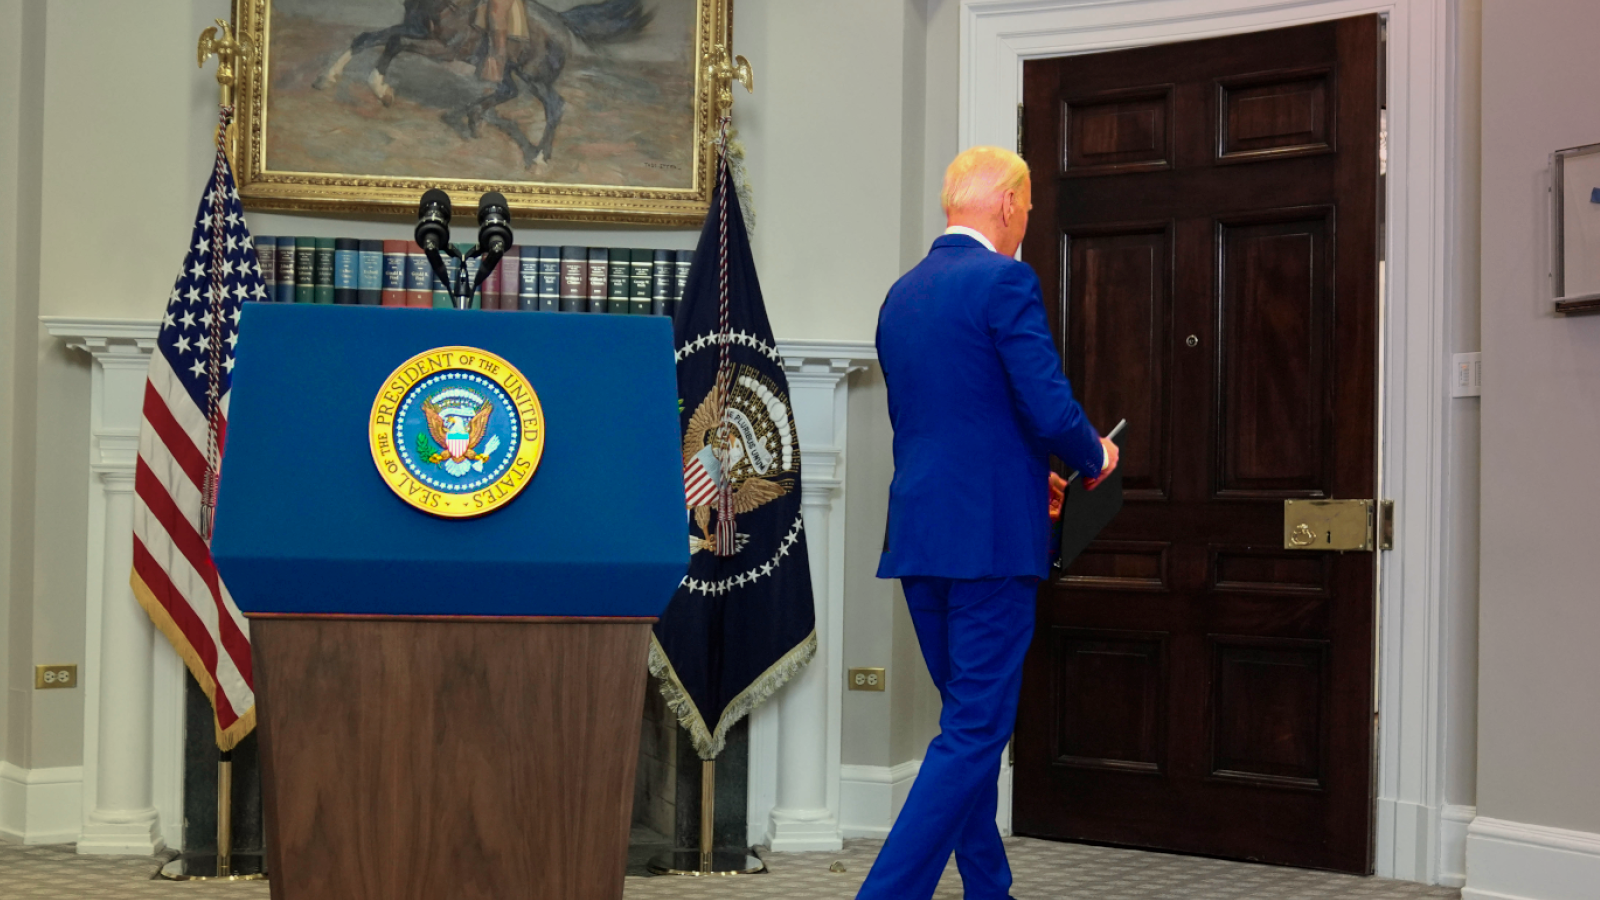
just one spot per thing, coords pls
(868, 679)
(1466, 376)
(59, 676)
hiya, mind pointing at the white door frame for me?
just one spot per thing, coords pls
(998, 35)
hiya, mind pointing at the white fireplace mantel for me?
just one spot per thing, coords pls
(134, 682)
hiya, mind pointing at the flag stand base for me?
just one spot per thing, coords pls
(224, 865)
(204, 867)
(693, 862)
(706, 860)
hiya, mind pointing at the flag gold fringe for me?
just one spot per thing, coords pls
(227, 738)
(709, 743)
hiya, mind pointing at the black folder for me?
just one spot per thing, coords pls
(1085, 513)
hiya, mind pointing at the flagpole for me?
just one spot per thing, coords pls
(706, 860)
(232, 51)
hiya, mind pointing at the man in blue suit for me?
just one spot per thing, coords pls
(978, 402)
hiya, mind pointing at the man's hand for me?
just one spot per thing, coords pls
(1058, 494)
(1108, 468)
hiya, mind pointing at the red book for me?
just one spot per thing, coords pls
(510, 279)
(491, 289)
(394, 273)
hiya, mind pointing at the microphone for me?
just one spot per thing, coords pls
(494, 224)
(433, 221)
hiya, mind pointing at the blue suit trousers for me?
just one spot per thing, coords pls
(974, 636)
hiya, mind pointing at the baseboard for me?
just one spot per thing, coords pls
(1516, 861)
(1453, 822)
(871, 796)
(40, 806)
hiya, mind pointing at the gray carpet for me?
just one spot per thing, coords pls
(1043, 870)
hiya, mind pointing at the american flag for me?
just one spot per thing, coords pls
(173, 575)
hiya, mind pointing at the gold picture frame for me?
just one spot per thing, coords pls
(322, 145)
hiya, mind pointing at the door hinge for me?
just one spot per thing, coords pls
(1022, 133)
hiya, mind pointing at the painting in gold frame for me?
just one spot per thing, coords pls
(592, 110)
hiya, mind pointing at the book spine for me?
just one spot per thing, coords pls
(620, 263)
(442, 298)
(419, 277)
(528, 283)
(491, 287)
(267, 264)
(549, 279)
(285, 267)
(684, 260)
(324, 282)
(394, 273)
(661, 278)
(346, 270)
(510, 279)
(305, 270)
(574, 279)
(599, 277)
(369, 282)
(639, 291)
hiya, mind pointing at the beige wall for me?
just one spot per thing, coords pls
(10, 111)
(1463, 424)
(1539, 711)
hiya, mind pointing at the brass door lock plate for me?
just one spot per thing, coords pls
(1338, 525)
(58, 676)
(867, 680)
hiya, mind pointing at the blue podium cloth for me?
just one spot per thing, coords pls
(306, 525)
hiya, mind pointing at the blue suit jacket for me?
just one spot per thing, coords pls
(978, 402)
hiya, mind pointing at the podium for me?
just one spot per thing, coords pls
(449, 705)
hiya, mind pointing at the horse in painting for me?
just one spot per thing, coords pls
(451, 30)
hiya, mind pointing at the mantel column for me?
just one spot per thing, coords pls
(123, 820)
(810, 738)
(120, 665)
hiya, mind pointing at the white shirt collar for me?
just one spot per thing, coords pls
(971, 233)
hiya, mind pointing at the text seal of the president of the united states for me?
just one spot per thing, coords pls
(456, 432)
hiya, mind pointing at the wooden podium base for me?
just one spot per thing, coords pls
(407, 759)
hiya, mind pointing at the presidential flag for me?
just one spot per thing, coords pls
(180, 445)
(742, 622)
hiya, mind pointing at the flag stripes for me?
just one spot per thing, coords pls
(173, 575)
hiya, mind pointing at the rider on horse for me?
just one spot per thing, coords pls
(502, 20)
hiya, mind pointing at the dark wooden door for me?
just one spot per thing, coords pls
(1206, 231)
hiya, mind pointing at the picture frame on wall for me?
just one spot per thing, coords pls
(1575, 201)
(586, 110)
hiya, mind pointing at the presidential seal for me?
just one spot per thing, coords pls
(456, 432)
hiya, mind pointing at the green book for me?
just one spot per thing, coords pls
(324, 287)
(305, 270)
(642, 263)
(441, 293)
(618, 279)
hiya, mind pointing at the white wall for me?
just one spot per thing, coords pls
(1539, 711)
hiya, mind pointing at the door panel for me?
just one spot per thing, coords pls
(1275, 320)
(1121, 132)
(1205, 233)
(1110, 713)
(1121, 292)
